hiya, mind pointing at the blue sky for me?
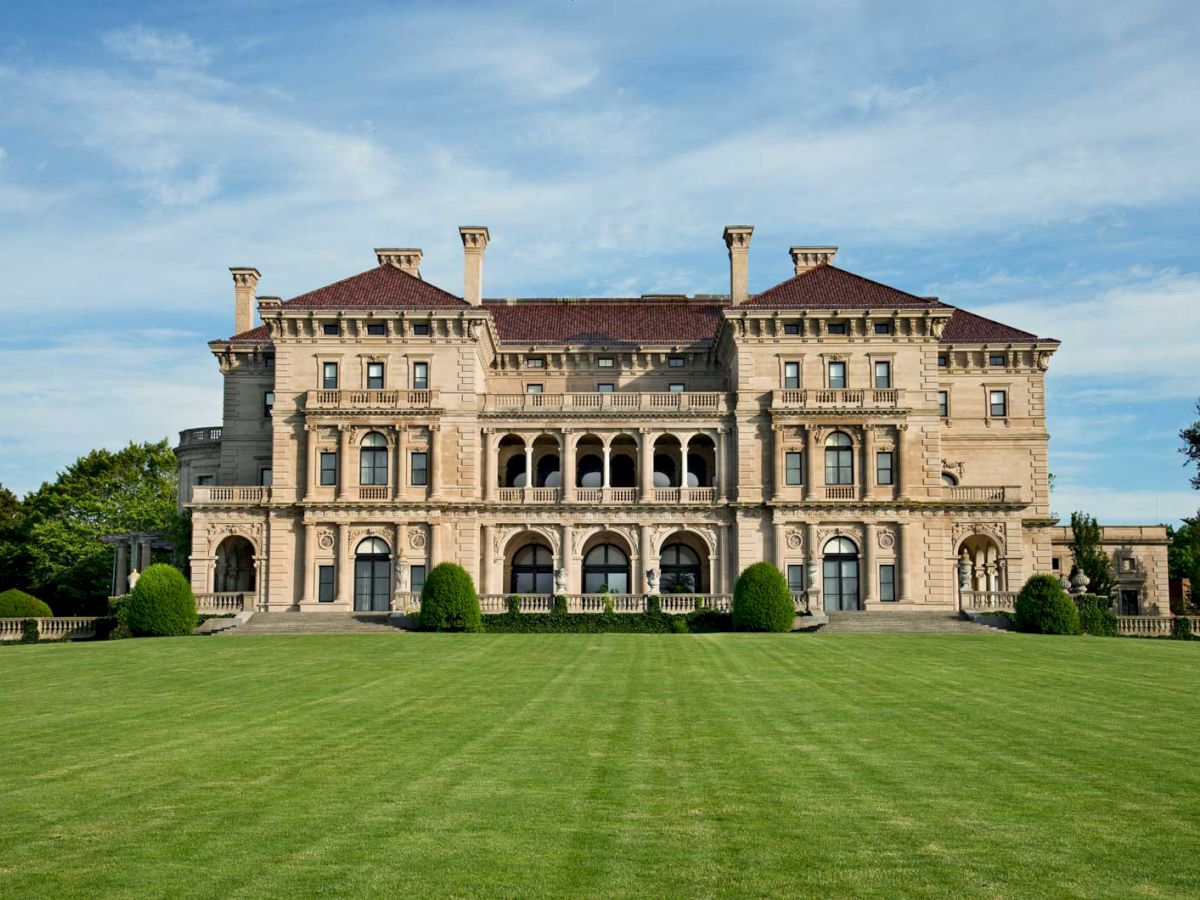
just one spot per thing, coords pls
(1036, 162)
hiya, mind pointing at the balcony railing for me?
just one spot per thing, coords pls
(837, 398)
(199, 437)
(985, 600)
(231, 496)
(841, 492)
(374, 492)
(675, 604)
(224, 602)
(983, 493)
(58, 628)
(529, 495)
(599, 496)
(705, 402)
(347, 399)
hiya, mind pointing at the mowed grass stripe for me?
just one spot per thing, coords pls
(540, 765)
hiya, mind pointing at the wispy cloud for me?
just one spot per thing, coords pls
(164, 48)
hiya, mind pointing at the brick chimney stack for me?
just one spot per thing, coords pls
(406, 259)
(806, 258)
(245, 280)
(737, 239)
(475, 240)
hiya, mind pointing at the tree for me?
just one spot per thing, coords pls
(761, 600)
(1183, 555)
(1089, 555)
(104, 492)
(1043, 607)
(161, 605)
(1191, 447)
(449, 601)
(14, 566)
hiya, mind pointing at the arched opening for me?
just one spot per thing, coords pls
(532, 570)
(546, 467)
(666, 461)
(840, 575)
(589, 462)
(839, 459)
(372, 576)
(511, 457)
(949, 480)
(987, 570)
(702, 458)
(234, 571)
(606, 568)
(683, 565)
(622, 462)
(373, 459)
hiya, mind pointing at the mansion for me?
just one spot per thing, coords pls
(884, 450)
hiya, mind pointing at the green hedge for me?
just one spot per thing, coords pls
(1043, 607)
(1095, 615)
(161, 605)
(698, 621)
(16, 604)
(761, 600)
(449, 601)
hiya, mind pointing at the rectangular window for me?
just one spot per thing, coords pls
(996, 359)
(331, 329)
(324, 584)
(998, 404)
(943, 360)
(791, 327)
(883, 375)
(791, 374)
(677, 387)
(1128, 564)
(533, 388)
(376, 328)
(887, 583)
(605, 387)
(417, 578)
(419, 469)
(1129, 602)
(269, 360)
(535, 362)
(375, 376)
(883, 327)
(836, 328)
(883, 467)
(265, 477)
(420, 379)
(944, 404)
(268, 404)
(837, 375)
(205, 479)
(795, 576)
(1055, 564)
(606, 362)
(676, 362)
(328, 468)
(329, 376)
(421, 329)
(793, 464)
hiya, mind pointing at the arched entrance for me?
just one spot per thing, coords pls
(987, 571)
(372, 576)
(840, 575)
(532, 570)
(684, 565)
(235, 570)
(606, 567)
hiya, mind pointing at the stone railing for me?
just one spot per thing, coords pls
(622, 495)
(841, 492)
(685, 495)
(224, 602)
(374, 492)
(406, 602)
(837, 398)
(57, 628)
(982, 493)
(493, 604)
(529, 495)
(706, 402)
(1144, 626)
(989, 599)
(349, 399)
(231, 496)
(800, 601)
(198, 437)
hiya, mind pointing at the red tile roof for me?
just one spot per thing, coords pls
(609, 322)
(967, 328)
(384, 287)
(828, 287)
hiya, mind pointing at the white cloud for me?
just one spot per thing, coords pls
(138, 43)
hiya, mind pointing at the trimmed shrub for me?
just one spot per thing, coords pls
(449, 601)
(761, 600)
(560, 604)
(514, 603)
(29, 632)
(1095, 616)
(654, 604)
(1181, 629)
(1043, 607)
(161, 605)
(16, 604)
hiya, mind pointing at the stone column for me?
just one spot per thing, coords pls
(489, 466)
(719, 465)
(435, 544)
(720, 562)
(900, 464)
(868, 464)
(313, 477)
(646, 464)
(568, 466)
(684, 443)
(646, 558)
(121, 588)
(904, 558)
(144, 555)
(343, 460)
(485, 559)
(780, 542)
(345, 567)
(435, 461)
(777, 460)
(607, 453)
(866, 578)
(810, 464)
(812, 571)
(307, 594)
(568, 561)
(398, 464)
(529, 479)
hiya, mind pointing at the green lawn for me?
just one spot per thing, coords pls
(600, 765)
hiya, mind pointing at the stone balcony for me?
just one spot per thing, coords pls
(602, 495)
(369, 400)
(200, 437)
(982, 493)
(853, 399)
(220, 495)
(708, 403)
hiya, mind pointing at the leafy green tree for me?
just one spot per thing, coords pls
(104, 492)
(14, 566)
(1183, 556)
(1191, 446)
(18, 604)
(1089, 555)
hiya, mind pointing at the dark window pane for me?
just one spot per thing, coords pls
(328, 468)
(420, 472)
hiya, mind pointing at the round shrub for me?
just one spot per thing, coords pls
(161, 605)
(1043, 607)
(16, 604)
(1095, 616)
(1181, 628)
(449, 601)
(761, 600)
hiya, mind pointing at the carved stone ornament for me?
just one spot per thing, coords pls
(795, 540)
(325, 540)
(1043, 360)
(994, 530)
(886, 539)
(416, 540)
(827, 533)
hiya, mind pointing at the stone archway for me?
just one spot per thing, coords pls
(235, 569)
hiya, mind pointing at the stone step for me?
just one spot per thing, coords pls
(902, 622)
(315, 623)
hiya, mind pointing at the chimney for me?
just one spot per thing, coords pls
(737, 239)
(245, 280)
(806, 258)
(406, 259)
(475, 240)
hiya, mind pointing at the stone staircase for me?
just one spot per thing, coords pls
(317, 623)
(903, 622)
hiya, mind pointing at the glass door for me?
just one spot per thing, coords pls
(841, 583)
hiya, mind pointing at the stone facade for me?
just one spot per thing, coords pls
(860, 437)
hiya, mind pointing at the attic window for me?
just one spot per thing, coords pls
(535, 362)
(996, 359)
(676, 362)
(421, 329)
(943, 360)
(331, 329)
(376, 328)
(606, 362)
(883, 327)
(836, 328)
(791, 327)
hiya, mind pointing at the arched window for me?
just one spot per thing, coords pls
(548, 474)
(373, 460)
(622, 471)
(532, 570)
(665, 471)
(514, 471)
(680, 569)
(372, 571)
(840, 582)
(839, 459)
(606, 566)
(697, 471)
(590, 472)
(949, 480)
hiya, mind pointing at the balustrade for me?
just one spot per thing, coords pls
(373, 492)
(626, 401)
(841, 492)
(231, 495)
(675, 604)
(1144, 626)
(55, 628)
(363, 399)
(989, 599)
(224, 602)
(982, 493)
(837, 398)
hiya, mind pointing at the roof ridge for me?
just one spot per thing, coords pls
(990, 320)
(866, 279)
(341, 281)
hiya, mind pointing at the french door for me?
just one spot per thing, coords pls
(840, 585)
